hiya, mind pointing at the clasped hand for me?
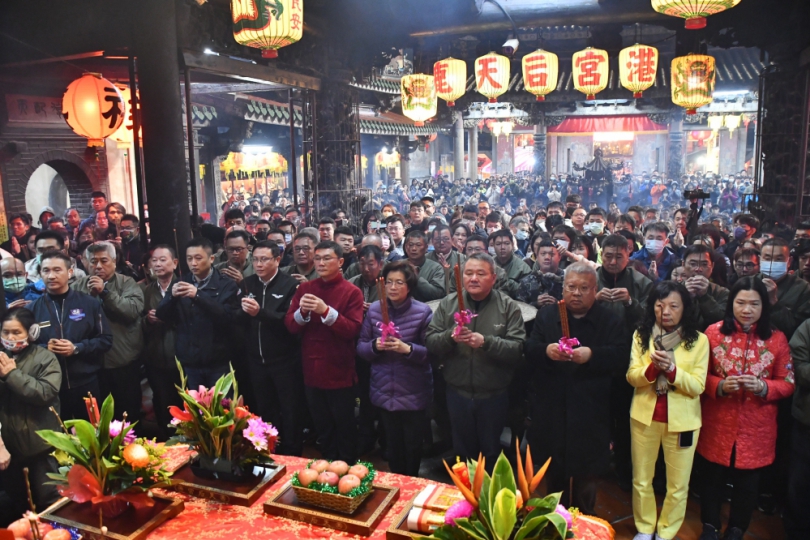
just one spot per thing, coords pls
(580, 355)
(470, 338)
(393, 344)
(735, 383)
(7, 364)
(184, 290)
(310, 302)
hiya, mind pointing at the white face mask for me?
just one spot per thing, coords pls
(654, 246)
(386, 242)
(522, 235)
(491, 251)
(563, 243)
(596, 227)
(773, 269)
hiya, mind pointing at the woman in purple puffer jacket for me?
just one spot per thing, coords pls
(401, 378)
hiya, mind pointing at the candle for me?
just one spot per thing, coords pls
(459, 288)
(564, 319)
(383, 300)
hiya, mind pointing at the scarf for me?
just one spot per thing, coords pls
(666, 342)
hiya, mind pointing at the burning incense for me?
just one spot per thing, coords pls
(383, 300)
(459, 288)
(564, 319)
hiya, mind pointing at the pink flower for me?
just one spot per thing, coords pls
(461, 509)
(566, 515)
(117, 426)
(202, 395)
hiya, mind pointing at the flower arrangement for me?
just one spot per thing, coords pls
(103, 462)
(228, 437)
(498, 507)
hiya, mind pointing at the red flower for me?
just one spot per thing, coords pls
(241, 412)
(181, 415)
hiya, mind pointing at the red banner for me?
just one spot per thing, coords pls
(595, 124)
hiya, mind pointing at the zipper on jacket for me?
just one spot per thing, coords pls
(264, 295)
(62, 334)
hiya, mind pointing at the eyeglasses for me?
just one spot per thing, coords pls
(235, 249)
(326, 259)
(302, 249)
(580, 290)
(472, 250)
(745, 266)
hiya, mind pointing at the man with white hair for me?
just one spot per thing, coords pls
(571, 400)
(121, 300)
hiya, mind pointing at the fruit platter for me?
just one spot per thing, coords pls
(334, 485)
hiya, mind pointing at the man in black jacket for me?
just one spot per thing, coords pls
(75, 329)
(201, 306)
(274, 358)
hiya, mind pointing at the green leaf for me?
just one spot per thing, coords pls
(484, 505)
(502, 477)
(465, 525)
(86, 434)
(104, 419)
(542, 506)
(504, 513)
(66, 443)
(559, 523)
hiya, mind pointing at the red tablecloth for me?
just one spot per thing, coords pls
(206, 520)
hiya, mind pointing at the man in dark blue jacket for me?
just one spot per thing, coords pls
(201, 306)
(75, 329)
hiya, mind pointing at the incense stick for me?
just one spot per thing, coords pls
(459, 288)
(564, 319)
(383, 300)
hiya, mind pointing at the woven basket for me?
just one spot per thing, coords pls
(330, 501)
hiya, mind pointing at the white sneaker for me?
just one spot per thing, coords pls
(643, 536)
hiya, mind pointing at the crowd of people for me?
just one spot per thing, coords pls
(692, 321)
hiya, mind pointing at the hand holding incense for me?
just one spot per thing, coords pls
(566, 343)
(459, 288)
(564, 319)
(386, 326)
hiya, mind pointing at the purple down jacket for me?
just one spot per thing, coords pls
(399, 382)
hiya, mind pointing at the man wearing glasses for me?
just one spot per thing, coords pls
(327, 313)
(710, 298)
(746, 263)
(572, 390)
(303, 267)
(240, 262)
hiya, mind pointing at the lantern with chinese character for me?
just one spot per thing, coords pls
(123, 135)
(591, 71)
(492, 75)
(450, 77)
(418, 97)
(637, 67)
(93, 108)
(540, 70)
(692, 81)
(267, 24)
(694, 11)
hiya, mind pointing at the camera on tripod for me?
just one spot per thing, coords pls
(696, 194)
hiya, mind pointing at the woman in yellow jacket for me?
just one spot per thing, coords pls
(668, 366)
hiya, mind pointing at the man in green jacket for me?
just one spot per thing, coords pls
(122, 301)
(444, 254)
(479, 358)
(504, 245)
(709, 299)
(431, 274)
(789, 294)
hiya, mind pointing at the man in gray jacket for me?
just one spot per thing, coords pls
(122, 302)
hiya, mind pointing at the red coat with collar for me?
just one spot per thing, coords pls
(328, 352)
(741, 418)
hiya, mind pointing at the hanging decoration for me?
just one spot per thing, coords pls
(450, 78)
(694, 11)
(638, 65)
(692, 81)
(540, 71)
(715, 123)
(267, 24)
(501, 128)
(93, 107)
(418, 97)
(492, 76)
(591, 71)
(124, 134)
(732, 122)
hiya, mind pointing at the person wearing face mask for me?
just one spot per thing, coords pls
(519, 226)
(132, 256)
(30, 378)
(789, 295)
(655, 254)
(503, 243)
(595, 222)
(745, 227)
(18, 291)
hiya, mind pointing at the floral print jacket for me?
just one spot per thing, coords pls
(743, 419)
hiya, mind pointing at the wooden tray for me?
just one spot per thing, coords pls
(363, 522)
(131, 525)
(399, 526)
(240, 494)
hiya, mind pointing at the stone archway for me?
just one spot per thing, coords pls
(72, 179)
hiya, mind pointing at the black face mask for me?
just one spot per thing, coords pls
(261, 235)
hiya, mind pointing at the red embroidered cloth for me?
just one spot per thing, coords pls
(206, 520)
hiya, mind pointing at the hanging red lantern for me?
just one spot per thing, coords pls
(638, 65)
(492, 75)
(93, 108)
(540, 70)
(591, 71)
(267, 24)
(694, 11)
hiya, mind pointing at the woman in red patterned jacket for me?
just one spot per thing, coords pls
(750, 369)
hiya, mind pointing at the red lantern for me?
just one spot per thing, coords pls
(637, 67)
(591, 71)
(93, 108)
(540, 70)
(492, 75)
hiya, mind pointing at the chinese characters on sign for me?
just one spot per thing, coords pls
(492, 75)
(34, 109)
(450, 78)
(590, 71)
(540, 71)
(637, 68)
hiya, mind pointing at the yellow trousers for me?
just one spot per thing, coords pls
(646, 440)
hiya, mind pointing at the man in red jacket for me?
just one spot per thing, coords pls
(328, 313)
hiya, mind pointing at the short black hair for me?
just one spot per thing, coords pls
(372, 250)
(98, 194)
(345, 231)
(698, 249)
(329, 244)
(395, 217)
(166, 247)
(326, 221)
(269, 244)
(131, 217)
(53, 235)
(617, 241)
(22, 216)
(402, 265)
(234, 213)
(238, 233)
(476, 238)
(264, 222)
(54, 254)
(201, 242)
(417, 233)
(555, 204)
(776, 242)
(469, 209)
(417, 204)
(493, 217)
(627, 218)
(748, 219)
(499, 233)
